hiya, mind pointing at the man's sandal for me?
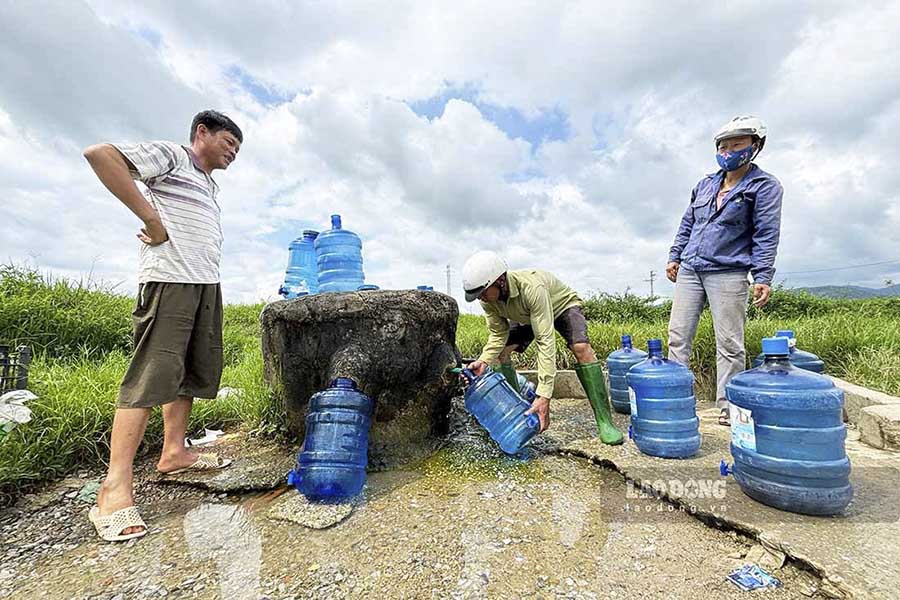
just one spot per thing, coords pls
(724, 418)
(110, 527)
(204, 462)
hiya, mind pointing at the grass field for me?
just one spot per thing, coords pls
(80, 334)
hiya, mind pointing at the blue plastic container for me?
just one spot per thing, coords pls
(500, 410)
(664, 419)
(787, 435)
(425, 288)
(332, 463)
(301, 276)
(339, 259)
(617, 364)
(799, 358)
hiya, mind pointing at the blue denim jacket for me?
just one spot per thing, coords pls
(743, 234)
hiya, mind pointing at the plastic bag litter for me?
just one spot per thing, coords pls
(209, 436)
(13, 411)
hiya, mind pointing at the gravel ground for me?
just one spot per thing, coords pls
(466, 523)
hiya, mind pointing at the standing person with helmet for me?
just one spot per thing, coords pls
(525, 306)
(731, 228)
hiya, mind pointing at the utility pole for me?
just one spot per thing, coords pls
(652, 278)
(448, 281)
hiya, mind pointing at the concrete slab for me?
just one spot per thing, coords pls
(879, 426)
(857, 398)
(857, 554)
(565, 386)
(256, 466)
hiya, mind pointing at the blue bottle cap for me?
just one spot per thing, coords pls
(343, 382)
(784, 333)
(310, 234)
(626, 341)
(775, 346)
(654, 346)
(335, 221)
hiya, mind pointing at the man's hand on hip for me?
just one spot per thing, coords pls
(672, 271)
(541, 407)
(761, 293)
(153, 233)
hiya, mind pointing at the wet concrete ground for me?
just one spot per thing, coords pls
(466, 523)
(856, 553)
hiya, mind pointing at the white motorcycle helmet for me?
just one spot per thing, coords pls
(744, 125)
(480, 271)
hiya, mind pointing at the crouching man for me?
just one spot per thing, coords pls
(528, 305)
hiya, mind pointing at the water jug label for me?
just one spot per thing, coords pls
(743, 430)
(632, 399)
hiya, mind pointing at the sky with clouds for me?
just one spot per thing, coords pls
(565, 136)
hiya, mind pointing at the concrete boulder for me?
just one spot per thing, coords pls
(397, 345)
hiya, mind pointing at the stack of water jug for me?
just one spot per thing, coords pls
(787, 430)
(332, 463)
(327, 261)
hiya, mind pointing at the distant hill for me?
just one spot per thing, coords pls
(850, 291)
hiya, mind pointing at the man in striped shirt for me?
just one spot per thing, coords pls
(178, 314)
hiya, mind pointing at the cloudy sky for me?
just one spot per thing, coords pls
(566, 136)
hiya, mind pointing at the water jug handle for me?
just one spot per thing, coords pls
(294, 478)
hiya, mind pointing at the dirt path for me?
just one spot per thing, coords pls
(466, 523)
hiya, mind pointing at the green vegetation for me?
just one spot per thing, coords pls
(81, 336)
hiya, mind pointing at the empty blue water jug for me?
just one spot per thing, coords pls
(425, 288)
(500, 410)
(332, 463)
(799, 358)
(787, 435)
(663, 408)
(617, 364)
(301, 277)
(339, 258)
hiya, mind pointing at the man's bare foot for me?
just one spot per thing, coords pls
(113, 496)
(179, 459)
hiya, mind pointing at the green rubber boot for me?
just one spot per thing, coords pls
(509, 372)
(591, 377)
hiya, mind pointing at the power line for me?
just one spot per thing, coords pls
(884, 262)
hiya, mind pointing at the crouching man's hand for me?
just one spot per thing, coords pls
(541, 408)
(477, 367)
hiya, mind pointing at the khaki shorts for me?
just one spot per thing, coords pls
(177, 344)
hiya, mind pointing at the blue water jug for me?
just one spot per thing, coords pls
(425, 288)
(339, 258)
(664, 419)
(332, 463)
(617, 363)
(301, 277)
(500, 410)
(787, 435)
(799, 358)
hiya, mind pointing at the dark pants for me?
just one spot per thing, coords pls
(570, 324)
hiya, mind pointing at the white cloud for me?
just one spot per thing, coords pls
(643, 90)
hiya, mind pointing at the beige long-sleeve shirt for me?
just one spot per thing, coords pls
(536, 298)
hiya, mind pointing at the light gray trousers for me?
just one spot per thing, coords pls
(727, 296)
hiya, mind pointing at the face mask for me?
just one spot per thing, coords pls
(731, 161)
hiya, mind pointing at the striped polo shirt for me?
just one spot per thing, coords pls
(185, 198)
